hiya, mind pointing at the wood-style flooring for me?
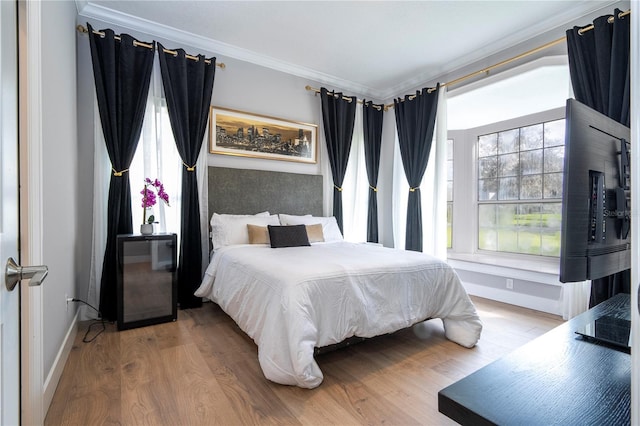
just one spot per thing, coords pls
(203, 370)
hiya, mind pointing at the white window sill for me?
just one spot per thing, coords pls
(541, 269)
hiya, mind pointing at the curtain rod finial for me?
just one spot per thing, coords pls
(309, 88)
(81, 29)
(221, 65)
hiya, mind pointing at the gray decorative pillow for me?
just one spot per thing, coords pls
(288, 236)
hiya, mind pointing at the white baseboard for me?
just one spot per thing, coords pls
(52, 380)
(514, 298)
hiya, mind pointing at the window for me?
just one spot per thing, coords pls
(449, 192)
(520, 189)
(157, 157)
(508, 150)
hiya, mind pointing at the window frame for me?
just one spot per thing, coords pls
(465, 185)
(517, 200)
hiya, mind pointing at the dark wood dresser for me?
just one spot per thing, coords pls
(559, 378)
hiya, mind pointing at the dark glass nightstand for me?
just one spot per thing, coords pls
(147, 288)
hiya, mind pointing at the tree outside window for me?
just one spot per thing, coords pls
(520, 189)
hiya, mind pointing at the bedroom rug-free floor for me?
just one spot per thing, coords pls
(203, 370)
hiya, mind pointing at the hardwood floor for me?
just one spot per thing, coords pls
(203, 370)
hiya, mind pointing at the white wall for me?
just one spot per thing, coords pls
(61, 205)
(60, 189)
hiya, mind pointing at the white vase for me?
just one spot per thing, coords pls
(146, 228)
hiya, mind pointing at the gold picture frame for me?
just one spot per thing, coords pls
(244, 134)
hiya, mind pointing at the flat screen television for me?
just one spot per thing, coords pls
(595, 237)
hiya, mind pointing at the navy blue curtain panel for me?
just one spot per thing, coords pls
(600, 76)
(415, 123)
(188, 87)
(338, 117)
(122, 72)
(372, 123)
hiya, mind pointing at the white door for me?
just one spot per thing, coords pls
(9, 300)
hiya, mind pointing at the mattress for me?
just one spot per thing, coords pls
(292, 300)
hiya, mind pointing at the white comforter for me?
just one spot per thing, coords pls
(290, 300)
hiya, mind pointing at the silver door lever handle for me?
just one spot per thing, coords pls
(14, 273)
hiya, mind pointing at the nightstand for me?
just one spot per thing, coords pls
(147, 289)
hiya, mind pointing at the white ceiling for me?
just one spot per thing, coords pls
(377, 49)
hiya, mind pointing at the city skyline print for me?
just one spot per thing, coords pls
(252, 135)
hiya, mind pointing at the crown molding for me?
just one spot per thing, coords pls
(98, 12)
(554, 26)
(81, 4)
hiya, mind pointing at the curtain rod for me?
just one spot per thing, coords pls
(82, 29)
(506, 61)
(609, 20)
(490, 68)
(517, 57)
(473, 74)
(346, 98)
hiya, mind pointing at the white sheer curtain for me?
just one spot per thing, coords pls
(575, 298)
(202, 169)
(327, 179)
(101, 176)
(433, 191)
(400, 197)
(434, 211)
(355, 186)
(156, 157)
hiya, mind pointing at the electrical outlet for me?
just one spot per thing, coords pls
(509, 283)
(68, 299)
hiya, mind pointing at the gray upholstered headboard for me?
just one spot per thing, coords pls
(243, 191)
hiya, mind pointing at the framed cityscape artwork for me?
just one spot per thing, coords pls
(244, 134)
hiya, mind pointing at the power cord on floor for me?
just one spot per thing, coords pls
(98, 321)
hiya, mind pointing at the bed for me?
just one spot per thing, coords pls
(296, 298)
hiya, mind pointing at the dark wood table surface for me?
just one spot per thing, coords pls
(558, 378)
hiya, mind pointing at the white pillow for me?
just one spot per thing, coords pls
(329, 224)
(231, 230)
(217, 216)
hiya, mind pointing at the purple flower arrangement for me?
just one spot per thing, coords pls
(149, 197)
